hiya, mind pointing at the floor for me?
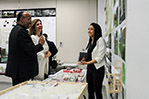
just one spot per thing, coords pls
(5, 82)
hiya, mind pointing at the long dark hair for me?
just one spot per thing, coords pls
(97, 35)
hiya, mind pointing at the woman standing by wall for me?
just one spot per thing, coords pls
(95, 61)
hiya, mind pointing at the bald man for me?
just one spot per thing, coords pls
(22, 62)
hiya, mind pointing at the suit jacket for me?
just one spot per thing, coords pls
(22, 54)
(99, 53)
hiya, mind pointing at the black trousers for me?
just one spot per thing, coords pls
(95, 80)
(16, 81)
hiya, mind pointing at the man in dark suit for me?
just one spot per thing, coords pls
(53, 50)
(22, 62)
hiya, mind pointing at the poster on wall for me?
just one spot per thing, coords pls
(122, 40)
(109, 16)
(119, 42)
(108, 42)
(116, 42)
(8, 21)
(122, 12)
(116, 13)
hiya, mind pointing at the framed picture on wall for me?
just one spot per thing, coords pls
(49, 12)
(8, 14)
(32, 12)
(19, 10)
(38, 13)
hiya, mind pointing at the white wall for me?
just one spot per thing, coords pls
(73, 18)
(137, 50)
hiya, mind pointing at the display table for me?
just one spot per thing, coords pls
(45, 90)
(68, 75)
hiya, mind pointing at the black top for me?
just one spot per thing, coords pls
(22, 54)
(89, 52)
(52, 49)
